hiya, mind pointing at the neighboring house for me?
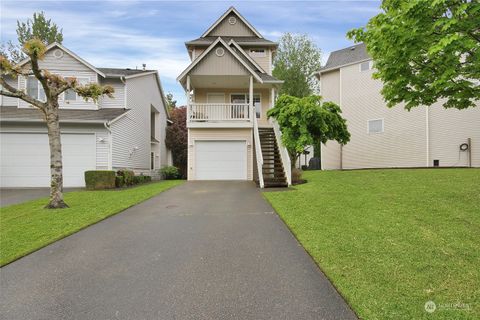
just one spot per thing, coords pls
(229, 89)
(127, 131)
(383, 137)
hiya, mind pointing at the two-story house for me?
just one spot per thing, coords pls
(126, 132)
(229, 88)
(383, 137)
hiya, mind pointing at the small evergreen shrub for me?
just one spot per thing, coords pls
(170, 173)
(99, 179)
(119, 181)
(127, 176)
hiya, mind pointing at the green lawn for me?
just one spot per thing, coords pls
(391, 240)
(27, 227)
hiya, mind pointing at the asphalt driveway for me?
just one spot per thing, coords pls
(203, 250)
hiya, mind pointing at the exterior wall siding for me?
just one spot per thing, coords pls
(404, 140)
(239, 29)
(131, 134)
(215, 65)
(219, 134)
(118, 100)
(8, 101)
(263, 62)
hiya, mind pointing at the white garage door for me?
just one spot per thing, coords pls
(220, 160)
(25, 159)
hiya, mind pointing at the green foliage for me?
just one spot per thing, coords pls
(99, 179)
(119, 181)
(27, 226)
(391, 240)
(93, 91)
(141, 179)
(177, 139)
(127, 176)
(304, 121)
(296, 61)
(426, 51)
(170, 173)
(171, 104)
(39, 28)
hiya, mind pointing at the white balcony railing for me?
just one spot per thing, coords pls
(203, 112)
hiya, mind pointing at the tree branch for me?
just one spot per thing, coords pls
(38, 74)
(15, 93)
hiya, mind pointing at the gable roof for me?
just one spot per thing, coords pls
(252, 41)
(353, 54)
(230, 10)
(119, 72)
(205, 53)
(58, 45)
(245, 56)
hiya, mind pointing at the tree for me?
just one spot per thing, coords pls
(37, 28)
(296, 62)
(306, 120)
(425, 51)
(177, 138)
(171, 104)
(53, 85)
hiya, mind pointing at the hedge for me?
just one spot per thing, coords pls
(99, 179)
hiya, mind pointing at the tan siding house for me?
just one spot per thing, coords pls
(384, 137)
(229, 89)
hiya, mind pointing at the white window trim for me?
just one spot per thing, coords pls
(370, 65)
(368, 126)
(76, 94)
(39, 88)
(257, 54)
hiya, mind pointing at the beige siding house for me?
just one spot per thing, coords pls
(126, 132)
(229, 88)
(382, 137)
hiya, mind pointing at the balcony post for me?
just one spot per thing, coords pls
(188, 99)
(250, 99)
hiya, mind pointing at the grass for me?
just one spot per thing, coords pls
(391, 240)
(27, 227)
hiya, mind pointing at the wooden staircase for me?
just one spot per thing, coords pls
(272, 170)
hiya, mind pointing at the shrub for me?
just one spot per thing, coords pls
(296, 175)
(99, 179)
(170, 173)
(127, 176)
(119, 181)
(137, 179)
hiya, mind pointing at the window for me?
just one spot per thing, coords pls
(244, 98)
(71, 95)
(258, 53)
(375, 126)
(35, 89)
(365, 66)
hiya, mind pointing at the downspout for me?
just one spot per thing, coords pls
(106, 124)
(427, 125)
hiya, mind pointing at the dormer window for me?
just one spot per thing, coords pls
(261, 52)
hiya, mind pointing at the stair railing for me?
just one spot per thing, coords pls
(287, 166)
(258, 150)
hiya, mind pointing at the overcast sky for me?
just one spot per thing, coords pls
(125, 34)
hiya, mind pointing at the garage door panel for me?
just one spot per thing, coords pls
(221, 160)
(25, 159)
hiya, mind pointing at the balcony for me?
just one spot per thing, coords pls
(219, 115)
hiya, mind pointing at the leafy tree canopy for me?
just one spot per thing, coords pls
(296, 61)
(303, 121)
(426, 51)
(177, 138)
(171, 104)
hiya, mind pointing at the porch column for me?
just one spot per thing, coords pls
(250, 99)
(272, 98)
(188, 98)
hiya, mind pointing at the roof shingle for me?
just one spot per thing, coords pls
(352, 54)
(118, 72)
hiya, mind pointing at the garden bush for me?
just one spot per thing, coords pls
(127, 176)
(119, 181)
(170, 173)
(99, 179)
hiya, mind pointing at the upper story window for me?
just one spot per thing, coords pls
(365, 66)
(258, 52)
(70, 95)
(375, 126)
(35, 89)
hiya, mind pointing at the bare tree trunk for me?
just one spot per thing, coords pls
(56, 170)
